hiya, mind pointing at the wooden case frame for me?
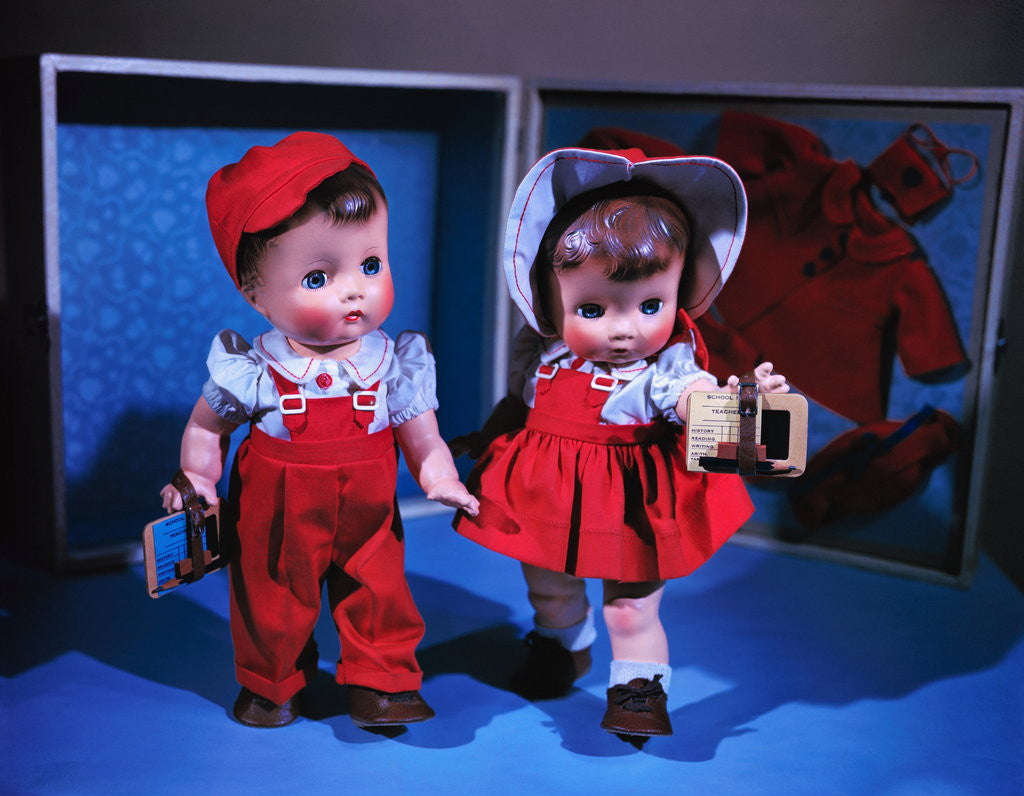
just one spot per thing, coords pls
(474, 118)
(559, 113)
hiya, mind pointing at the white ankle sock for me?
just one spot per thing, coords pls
(574, 638)
(624, 671)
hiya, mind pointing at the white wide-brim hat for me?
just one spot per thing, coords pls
(708, 189)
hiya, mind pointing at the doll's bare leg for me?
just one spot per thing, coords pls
(559, 600)
(559, 645)
(640, 674)
(631, 615)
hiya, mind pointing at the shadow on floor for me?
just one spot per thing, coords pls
(778, 632)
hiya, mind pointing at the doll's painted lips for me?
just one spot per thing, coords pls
(354, 316)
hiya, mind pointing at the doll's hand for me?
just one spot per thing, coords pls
(451, 492)
(766, 381)
(769, 382)
(205, 488)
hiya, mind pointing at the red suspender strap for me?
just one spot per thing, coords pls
(545, 375)
(601, 387)
(364, 402)
(291, 402)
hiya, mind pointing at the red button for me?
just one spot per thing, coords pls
(324, 381)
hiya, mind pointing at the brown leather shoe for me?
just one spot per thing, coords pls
(253, 710)
(549, 669)
(637, 708)
(371, 708)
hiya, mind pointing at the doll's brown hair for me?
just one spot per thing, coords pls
(630, 223)
(349, 196)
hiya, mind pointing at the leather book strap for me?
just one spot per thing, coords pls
(746, 453)
(196, 519)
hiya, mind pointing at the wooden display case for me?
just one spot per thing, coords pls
(921, 190)
(115, 289)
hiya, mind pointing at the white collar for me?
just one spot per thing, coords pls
(555, 349)
(365, 367)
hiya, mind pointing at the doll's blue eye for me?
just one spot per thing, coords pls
(651, 306)
(314, 280)
(371, 266)
(590, 311)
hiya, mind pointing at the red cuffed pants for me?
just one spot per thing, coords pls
(310, 512)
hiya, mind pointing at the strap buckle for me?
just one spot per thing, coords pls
(364, 407)
(292, 397)
(547, 371)
(193, 566)
(747, 392)
(746, 452)
(603, 383)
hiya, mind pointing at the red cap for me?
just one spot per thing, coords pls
(268, 185)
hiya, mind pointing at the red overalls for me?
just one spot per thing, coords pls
(570, 494)
(320, 507)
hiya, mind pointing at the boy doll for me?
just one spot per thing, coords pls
(302, 229)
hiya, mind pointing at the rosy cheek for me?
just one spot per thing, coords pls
(387, 299)
(660, 333)
(579, 340)
(565, 324)
(665, 328)
(315, 322)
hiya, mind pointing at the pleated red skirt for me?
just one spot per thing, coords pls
(600, 501)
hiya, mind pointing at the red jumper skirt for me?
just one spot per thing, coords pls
(569, 494)
(320, 507)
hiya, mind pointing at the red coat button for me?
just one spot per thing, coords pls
(324, 381)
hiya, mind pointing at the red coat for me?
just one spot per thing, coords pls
(826, 287)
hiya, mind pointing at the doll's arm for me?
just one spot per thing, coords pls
(509, 414)
(431, 463)
(204, 446)
(766, 382)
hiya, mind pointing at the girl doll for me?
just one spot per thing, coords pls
(302, 229)
(609, 255)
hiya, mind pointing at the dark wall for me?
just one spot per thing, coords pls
(891, 42)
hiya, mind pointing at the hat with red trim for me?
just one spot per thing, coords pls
(268, 185)
(707, 188)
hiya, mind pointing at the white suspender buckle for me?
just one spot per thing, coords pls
(368, 405)
(300, 409)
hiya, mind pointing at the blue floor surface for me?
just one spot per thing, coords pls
(790, 676)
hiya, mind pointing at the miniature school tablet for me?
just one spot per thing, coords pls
(713, 431)
(165, 546)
